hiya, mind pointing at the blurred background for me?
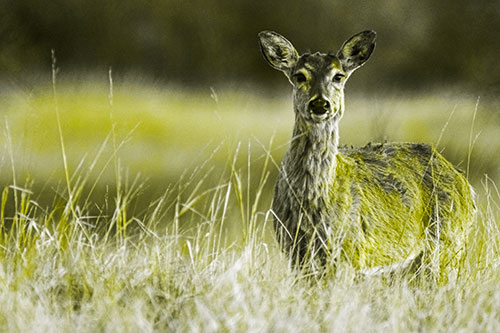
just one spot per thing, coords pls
(189, 85)
(420, 44)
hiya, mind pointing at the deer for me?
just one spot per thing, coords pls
(378, 208)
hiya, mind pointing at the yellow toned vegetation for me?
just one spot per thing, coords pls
(164, 221)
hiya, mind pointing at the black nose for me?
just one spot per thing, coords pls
(319, 106)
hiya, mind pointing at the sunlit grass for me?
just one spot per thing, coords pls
(168, 225)
(171, 129)
(67, 271)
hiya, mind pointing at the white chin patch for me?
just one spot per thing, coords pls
(319, 117)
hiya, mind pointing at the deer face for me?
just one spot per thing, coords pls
(318, 79)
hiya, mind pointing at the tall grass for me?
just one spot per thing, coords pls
(201, 255)
(144, 273)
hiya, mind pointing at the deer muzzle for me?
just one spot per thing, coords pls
(319, 106)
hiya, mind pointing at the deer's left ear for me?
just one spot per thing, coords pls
(356, 50)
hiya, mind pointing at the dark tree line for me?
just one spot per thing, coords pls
(420, 43)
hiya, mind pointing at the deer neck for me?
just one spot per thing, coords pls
(311, 160)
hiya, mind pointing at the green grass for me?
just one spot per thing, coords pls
(187, 245)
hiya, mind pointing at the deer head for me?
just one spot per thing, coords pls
(318, 79)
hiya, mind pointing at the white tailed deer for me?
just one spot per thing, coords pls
(373, 206)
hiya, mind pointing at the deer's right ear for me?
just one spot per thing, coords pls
(278, 51)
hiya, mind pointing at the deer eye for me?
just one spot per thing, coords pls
(337, 77)
(299, 77)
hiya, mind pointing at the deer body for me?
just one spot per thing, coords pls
(372, 206)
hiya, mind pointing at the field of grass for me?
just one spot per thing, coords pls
(144, 208)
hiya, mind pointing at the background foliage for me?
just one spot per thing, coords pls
(420, 44)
